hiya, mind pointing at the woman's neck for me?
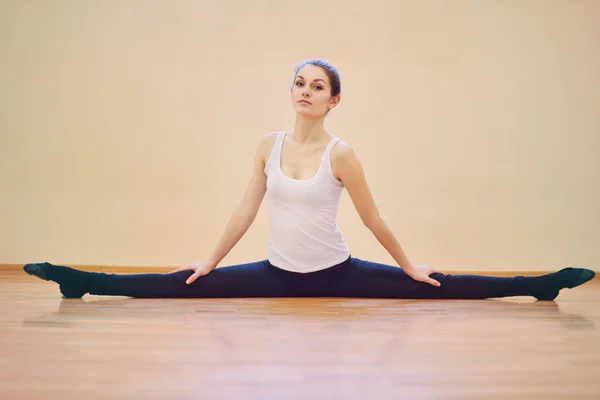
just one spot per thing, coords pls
(308, 131)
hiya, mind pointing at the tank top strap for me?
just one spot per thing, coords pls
(279, 146)
(326, 160)
(329, 147)
(275, 156)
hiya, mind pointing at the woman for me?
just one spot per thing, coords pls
(303, 173)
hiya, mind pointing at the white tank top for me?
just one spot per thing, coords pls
(304, 234)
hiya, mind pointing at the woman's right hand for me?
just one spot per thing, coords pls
(201, 268)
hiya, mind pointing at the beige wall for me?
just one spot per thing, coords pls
(128, 128)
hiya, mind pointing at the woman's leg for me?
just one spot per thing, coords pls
(370, 279)
(254, 279)
(352, 278)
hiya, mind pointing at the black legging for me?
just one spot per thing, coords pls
(351, 278)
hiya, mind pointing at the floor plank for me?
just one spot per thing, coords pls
(122, 348)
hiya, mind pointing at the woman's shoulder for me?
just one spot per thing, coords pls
(269, 139)
(266, 144)
(340, 149)
(340, 155)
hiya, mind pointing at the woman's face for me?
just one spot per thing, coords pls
(311, 93)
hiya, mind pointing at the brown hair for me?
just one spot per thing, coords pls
(330, 71)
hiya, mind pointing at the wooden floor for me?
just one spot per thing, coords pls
(121, 348)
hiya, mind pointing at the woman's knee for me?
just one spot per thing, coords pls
(181, 277)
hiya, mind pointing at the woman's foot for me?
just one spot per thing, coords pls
(546, 287)
(73, 283)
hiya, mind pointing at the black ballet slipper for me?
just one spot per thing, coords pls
(72, 283)
(547, 287)
(36, 270)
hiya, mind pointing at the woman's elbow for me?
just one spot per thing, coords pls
(372, 222)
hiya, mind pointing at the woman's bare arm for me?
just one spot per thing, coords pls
(350, 171)
(244, 215)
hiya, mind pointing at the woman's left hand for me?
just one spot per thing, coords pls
(421, 273)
